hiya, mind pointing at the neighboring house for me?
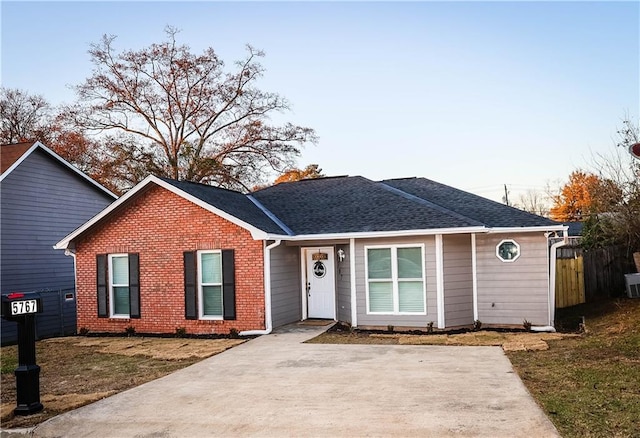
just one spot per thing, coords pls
(43, 199)
(406, 252)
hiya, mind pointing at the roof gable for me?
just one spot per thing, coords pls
(12, 155)
(232, 206)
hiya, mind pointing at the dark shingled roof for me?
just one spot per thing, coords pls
(234, 203)
(490, 213)
(355, 204)
(352, 204)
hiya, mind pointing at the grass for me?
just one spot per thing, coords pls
(590, 386)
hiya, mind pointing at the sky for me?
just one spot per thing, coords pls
(476, 95)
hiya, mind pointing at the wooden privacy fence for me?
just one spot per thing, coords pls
(604, 270)
(570, 289)
(590, 275)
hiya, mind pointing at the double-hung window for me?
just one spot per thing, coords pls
(119, 284)
(395, 280)
(210, 284)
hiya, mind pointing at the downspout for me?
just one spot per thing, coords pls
(70, 252)
(440, 280)
(267, 293)
(474, 274)
(552, 283)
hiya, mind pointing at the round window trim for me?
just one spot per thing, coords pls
(508, 250)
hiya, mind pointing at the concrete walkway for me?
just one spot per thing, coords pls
(275, 386)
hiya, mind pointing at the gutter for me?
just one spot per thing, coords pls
(267, 294)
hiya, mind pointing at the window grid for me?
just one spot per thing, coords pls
(210, 303)
(119, 291)
(395, 280)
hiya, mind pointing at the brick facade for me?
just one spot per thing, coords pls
(160, 226)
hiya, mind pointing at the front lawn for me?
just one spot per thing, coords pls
(590, 386)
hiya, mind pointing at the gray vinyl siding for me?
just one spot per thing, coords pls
(397, 320)
(458, 280)
(286, 300)
(509, 293)
(42, 202)
(343, 285)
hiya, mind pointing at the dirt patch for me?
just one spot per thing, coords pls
(79, 370)
(518, 341)
(155, 348)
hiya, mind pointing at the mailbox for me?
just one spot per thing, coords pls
(18, 304)
(22, 308)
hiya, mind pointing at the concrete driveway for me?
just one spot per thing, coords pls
(276, 386)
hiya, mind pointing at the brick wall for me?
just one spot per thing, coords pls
(160, 226)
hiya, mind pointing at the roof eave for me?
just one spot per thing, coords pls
(540, 228)
(421, 232)
(380, 234)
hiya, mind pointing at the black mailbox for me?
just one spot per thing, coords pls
(22, 308)
(18, 304)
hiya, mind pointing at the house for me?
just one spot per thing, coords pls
(404, 252)
(44, 198)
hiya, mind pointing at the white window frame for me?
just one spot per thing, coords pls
(112, 285)
(508, 241)
(201, 314)
(394, 277)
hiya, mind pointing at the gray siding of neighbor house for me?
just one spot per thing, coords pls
(286, 299)
(509, 293)
(42, 201)
(343, 285)
(458, 280)
(397, 320)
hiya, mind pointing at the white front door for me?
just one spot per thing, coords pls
(320, 282)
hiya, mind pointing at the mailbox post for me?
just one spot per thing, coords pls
(22, 308)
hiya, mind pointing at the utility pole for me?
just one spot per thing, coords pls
(506, 195)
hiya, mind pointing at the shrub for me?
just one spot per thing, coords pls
(181, 332)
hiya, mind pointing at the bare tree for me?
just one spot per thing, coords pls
(23, 116)
(534, 202)
(621, 224)
(173, 113)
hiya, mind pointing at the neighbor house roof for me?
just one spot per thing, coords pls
(12, 155)
(341, 207)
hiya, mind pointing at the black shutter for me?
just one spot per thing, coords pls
(190, 296)
(228, 284)
(134, 285)
(102, 282)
